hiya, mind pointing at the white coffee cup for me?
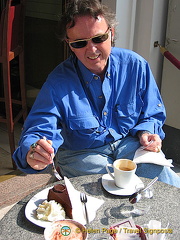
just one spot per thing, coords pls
(124, 170)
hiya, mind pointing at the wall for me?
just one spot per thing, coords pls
(151, 19)
(111, 4)
(44, 9)
(125, 12)
(171, 75)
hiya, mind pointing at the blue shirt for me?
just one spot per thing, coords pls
(76, 110)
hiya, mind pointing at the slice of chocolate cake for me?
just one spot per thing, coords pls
(59, 193)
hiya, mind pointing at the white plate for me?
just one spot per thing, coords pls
(30, 210)
(109, 185)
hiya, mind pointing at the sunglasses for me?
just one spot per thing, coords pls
(96, 39)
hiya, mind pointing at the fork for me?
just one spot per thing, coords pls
(83, 198)
(55, 172)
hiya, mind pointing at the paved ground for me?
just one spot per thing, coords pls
(17, 187)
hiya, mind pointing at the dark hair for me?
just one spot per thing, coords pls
(77, 8)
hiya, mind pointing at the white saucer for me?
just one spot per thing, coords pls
(109, 185)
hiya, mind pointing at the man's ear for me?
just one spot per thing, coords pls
(67, 42)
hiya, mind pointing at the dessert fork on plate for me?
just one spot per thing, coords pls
(83, 198)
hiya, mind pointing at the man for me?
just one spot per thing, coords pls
(99, 105)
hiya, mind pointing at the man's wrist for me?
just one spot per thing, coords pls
(140, 133)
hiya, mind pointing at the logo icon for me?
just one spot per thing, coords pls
(65, 230)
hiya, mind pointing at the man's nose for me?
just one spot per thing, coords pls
(91, 45)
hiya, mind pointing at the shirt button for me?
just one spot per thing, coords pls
(87, 82)
(159, 105)
(96, 77)
(105, 113)
(100, 97)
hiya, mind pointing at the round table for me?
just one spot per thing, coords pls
(164, 208)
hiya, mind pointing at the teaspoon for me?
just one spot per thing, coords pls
(135, 197)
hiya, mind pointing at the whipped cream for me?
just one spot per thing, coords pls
(50, 211)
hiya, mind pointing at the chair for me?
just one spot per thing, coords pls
(11, 47)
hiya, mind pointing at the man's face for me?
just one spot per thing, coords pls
(94, 55)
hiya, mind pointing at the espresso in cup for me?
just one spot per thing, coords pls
(124, 168)
(125, 164)
(124, 171)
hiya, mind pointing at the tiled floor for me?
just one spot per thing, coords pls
(5, 156)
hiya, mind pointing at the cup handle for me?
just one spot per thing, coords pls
(107, 169)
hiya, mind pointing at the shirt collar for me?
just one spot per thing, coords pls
(88, 76)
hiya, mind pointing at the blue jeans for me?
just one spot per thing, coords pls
(93, 161)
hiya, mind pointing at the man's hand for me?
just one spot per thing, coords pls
(151, 142)
(40, 154)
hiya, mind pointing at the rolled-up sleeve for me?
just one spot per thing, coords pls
(43, 120)
(153, 114)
